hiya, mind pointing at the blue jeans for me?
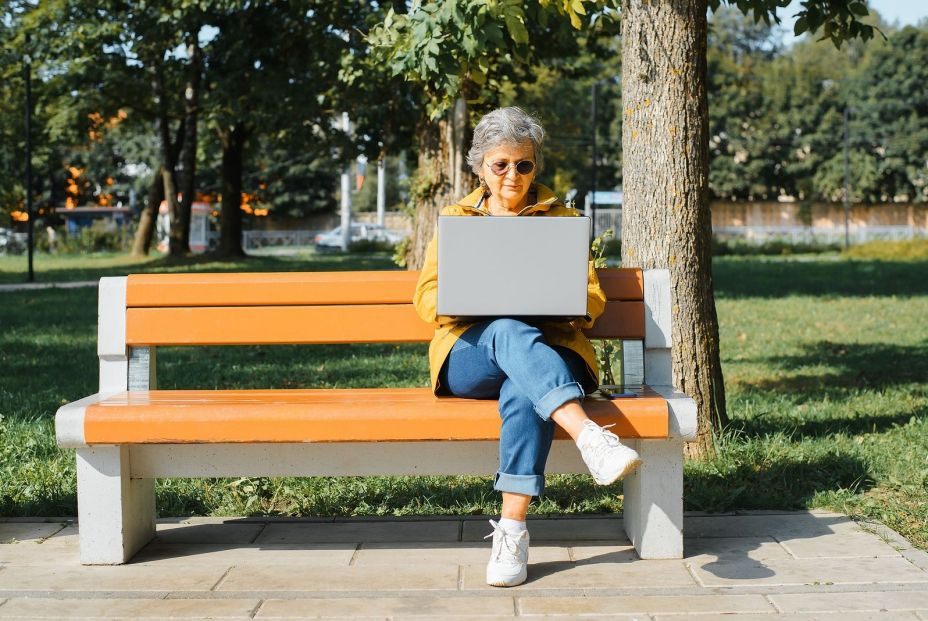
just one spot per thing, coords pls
(510, 360)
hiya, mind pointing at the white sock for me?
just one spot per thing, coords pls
(512, 526)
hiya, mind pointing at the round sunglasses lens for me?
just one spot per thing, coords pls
(499, 168)
(525, 167)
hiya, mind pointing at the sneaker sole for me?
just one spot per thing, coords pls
(502, 582)
(629, 468)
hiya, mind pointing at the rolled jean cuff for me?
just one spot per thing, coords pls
(528, 484)
(557, 397)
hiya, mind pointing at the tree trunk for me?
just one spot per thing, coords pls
(191, 114)
(230, 229)
(169, 153)
(666, 219)
(143, 234)
(442, 176)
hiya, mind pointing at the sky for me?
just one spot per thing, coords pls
(901, 12)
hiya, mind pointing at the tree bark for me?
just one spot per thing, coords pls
(442, 176)
(149, 216)
(191, 116)
(169, 154)
(666, 218)
(230, 229)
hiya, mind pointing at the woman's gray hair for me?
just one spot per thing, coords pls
(505, 126)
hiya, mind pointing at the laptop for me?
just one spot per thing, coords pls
(532, 267)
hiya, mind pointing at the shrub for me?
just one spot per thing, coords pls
(903, 250)
(770, 247)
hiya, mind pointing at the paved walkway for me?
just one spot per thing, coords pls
(759, 565)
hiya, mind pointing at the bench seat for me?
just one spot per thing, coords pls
(313, 415)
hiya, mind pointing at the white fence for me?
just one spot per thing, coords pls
(826, 235)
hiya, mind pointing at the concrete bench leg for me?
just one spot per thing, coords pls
(653, 509)
(116, 514)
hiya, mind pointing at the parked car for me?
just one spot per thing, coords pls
(332, 240)
(12, 243)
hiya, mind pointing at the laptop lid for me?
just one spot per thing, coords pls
(513, 266)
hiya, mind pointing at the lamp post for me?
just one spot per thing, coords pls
(847, 180)
(30, 226)
(593, 181)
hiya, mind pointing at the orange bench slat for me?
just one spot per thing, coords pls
(308, 288)
(369, 323)
(270, 289)
(331, 415)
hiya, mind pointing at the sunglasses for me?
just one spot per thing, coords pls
(501, 168)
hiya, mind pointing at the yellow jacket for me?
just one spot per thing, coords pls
(447, 329)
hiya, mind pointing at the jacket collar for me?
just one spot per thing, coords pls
(544, 200)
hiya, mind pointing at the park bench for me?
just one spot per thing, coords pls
(130, 433)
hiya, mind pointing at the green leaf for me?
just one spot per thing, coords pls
(858, 8)
(801, 26)
(516, 29)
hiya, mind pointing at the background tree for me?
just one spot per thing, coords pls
(665, 143)
(457, 52)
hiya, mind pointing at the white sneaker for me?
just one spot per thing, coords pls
(608, 459)
(508, 564)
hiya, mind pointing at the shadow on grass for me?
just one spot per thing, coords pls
(853, 370)
(774, 278)
(789, 483)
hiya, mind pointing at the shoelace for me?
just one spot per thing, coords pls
(610, 440)
(509, 543)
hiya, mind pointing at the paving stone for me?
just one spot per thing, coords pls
(779, 525)
(593, 575)
(922, 614)
(568, 529)
(452, 553)
(839, 545)
(66, 537)
(227, 532)
(352, 607)
(38, 608)
(733, 548)
(12, 533)
(226, 555)
(861, 601)
(808, 571)
(826, 616)
(109, 578)
(35, 553)
(603, 552)
(643, 604)
(356, 532)
(370, 579)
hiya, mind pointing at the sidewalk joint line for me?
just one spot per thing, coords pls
(570, 554)
(692, 572)
(784, 547)
(517, 606)
(354, 555)
(460, 577)
(2, 602)
(766, 597)
(254, 611)
(222, 578)
(259, 533)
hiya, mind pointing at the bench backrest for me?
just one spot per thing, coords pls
(317, 307)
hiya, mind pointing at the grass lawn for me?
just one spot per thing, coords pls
(825, 360)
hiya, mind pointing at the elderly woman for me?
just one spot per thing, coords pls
(539, 372)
